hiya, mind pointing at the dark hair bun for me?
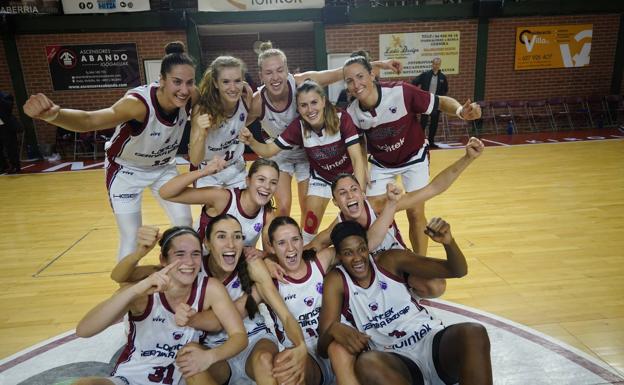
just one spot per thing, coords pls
(266, 45)
(175, 47)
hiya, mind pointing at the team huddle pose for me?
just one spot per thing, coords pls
(344, 301)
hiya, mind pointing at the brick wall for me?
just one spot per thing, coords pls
(150, 45)
(298, 47)
(503, 82)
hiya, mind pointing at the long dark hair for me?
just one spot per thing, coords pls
(241, 267)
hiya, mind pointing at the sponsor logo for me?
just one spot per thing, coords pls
(319, 287)
(393, 109)
(154, 133)
(241, 117)
(177, 335)
(257, 227)
(309, 301)
(158, 319)
(125, 196)
(383, 285)
(236, 284)
(373, 306)
(397, 334)
(290, 296)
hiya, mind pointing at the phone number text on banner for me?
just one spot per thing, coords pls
(416, 51)
(558, 46)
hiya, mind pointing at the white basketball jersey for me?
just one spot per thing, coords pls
(386, 311)
(154, 340)
(252, 326)
(152, 143)
(392, 240)
(223, 141)
(274, 122)
(303, 297)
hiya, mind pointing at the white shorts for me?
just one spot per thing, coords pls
(422, 355)
(126, 184)
(318, 187)
(414, 176)
(293, 162)
(233, 176)
(238, 362)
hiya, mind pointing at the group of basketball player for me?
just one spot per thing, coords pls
(194, 317)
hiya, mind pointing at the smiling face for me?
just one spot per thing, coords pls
(349, 198)
(225, 243)
(274, 75)
(176, 88)
(187, 249)
(353, 254)
(262, 185)
(360, 84)
(311, 107)
(287, 244)
(229, 83)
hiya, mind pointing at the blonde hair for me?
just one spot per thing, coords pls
(330, 115)
(267, 51)
(209, 101)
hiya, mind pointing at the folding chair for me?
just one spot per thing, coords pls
(615, 105)
(558, 111)
(578, 110)
(453, 126)
(539, 112)
(598, 111)
(502, 115)
(520, 115)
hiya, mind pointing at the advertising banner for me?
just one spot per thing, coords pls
(558, 46)
(104, 6)
(78, 67)
(417, 50)
(256, 5)
(30, 6)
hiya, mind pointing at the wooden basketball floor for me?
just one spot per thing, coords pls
(542, 227)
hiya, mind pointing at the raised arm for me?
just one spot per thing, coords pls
(450, 106)
(444, 179)
(379, 228)
(192, 358)
(327, 77)
(178, 190)
(403, 262)
(128, 108)
(330, 327)
(265, 150)
(112, 309)
(126, 270)
(200, 124)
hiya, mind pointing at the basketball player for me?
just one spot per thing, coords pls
(330, 142)
(150, 121)
(387, 113)
(154, 339)
(218, 116)
(251, 205)
(397, 339)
